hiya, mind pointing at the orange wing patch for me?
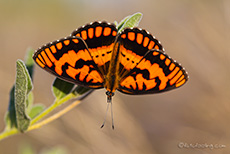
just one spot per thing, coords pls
(152, 75)
(101, 55)
(39, 62)
(59, 45)
(146, 42)
(129, 59)
(107, 31)
(84, 35)
(154, 71)
(70, 60)
(131, 36)
(151, 45)
(91, 33)
(134, 44)
(139, 38)
(100, 38)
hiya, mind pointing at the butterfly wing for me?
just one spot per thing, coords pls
(144, 67)
(99, 37)
(155, 73)
(134, 44)
(70, 60)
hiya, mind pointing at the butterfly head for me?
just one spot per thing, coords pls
(109, 96)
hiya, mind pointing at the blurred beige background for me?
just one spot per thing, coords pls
(194, 32)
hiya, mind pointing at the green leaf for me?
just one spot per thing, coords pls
(81, 92)
(36, 110)
(29, 61)
(7, 120)
(130, 21)
(61, 88)
(115, 23)
(23, 86)
(122, 22)
(10, 117)
(29, 102)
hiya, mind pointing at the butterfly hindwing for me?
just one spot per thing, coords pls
(134, 44)
(99, 37)
(69, 59)
(155, 73)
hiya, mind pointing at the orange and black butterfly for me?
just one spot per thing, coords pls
(97, 56)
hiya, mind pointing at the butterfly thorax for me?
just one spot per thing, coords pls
(112, 77)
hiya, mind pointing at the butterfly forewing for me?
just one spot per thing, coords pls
(69, 59)
(155, 73)
(134, 44)
(99, 37)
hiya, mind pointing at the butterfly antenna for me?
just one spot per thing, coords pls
(105, 115)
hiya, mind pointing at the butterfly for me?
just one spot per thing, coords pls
(97, 56)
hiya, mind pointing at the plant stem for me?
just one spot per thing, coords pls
(52, 107)
(9, 132)
(54, 117)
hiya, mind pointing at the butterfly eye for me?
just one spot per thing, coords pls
(108, 93)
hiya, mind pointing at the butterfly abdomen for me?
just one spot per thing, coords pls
(112, 77)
